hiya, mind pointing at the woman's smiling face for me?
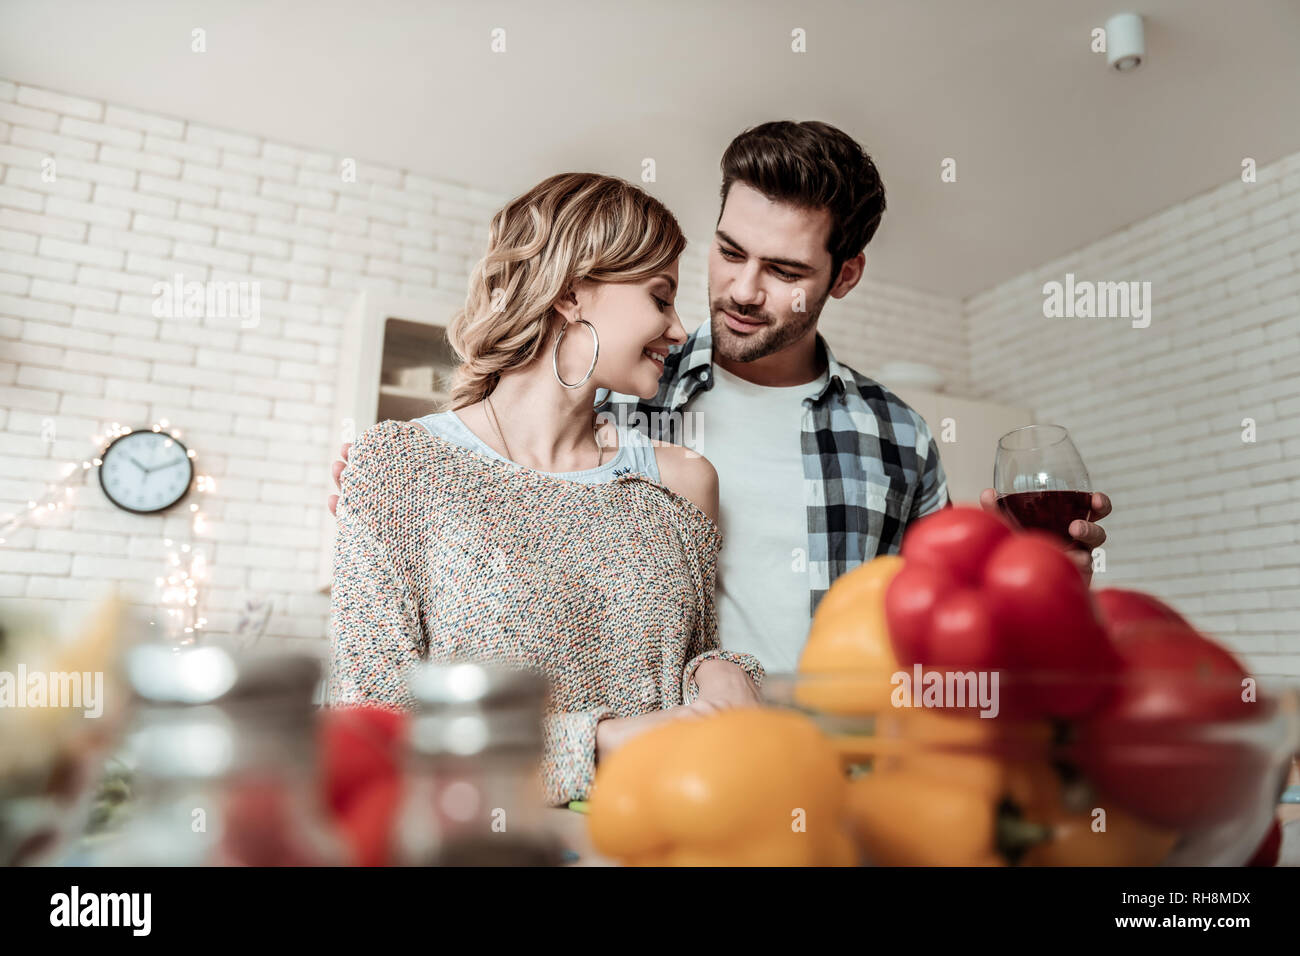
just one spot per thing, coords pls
(637, 323)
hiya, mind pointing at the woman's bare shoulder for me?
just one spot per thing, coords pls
(689, 474)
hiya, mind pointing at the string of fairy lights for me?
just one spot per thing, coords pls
(180, 587)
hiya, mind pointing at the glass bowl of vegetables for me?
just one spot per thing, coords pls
(1166, 766)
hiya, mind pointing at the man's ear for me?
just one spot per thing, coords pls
(850, 275)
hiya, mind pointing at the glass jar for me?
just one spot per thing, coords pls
(223, 754)
(472, 794)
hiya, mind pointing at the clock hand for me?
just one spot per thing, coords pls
(140, 466)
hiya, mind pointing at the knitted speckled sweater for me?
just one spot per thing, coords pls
(445, 554)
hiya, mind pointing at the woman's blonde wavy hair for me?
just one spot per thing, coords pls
(569, 227)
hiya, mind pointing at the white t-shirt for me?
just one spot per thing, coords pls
(751, 434)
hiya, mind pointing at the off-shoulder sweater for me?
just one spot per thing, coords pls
(445, 554)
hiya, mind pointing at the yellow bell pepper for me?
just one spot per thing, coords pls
(848, 646)
(1072, 840)
(905, 818)
(746, 787)
(923, 805)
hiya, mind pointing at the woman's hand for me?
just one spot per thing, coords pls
(613, 732)
(723, 684)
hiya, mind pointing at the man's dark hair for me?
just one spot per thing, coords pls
(814, 165)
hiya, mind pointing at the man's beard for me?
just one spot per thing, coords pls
(767, 339)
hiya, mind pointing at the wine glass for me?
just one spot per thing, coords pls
(1041, 481)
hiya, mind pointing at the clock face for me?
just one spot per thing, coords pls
(146, 471)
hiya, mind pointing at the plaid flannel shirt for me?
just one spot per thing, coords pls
(870, 463)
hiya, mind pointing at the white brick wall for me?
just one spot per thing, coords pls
(1200, 518)
(138, 198)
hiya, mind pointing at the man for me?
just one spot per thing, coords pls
(819, 467)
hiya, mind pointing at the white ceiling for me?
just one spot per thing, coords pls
(1053, 150)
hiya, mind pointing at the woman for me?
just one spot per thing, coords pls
(513, 527)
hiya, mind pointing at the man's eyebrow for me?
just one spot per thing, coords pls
(672, 283)
(793, 263)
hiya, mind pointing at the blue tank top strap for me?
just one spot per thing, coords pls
(635, 452)
(640, 453)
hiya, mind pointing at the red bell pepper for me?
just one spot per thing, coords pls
(1171, 745)
(1045, 616)
(1118, 607)
(974, 595)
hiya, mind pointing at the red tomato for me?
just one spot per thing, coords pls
(360, 746)
(958, 539)
(910, 600)
(1117, 606)
(1162, 747)
(1040, 604)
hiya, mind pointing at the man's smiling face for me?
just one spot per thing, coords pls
(763, 254)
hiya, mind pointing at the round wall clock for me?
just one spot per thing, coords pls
(146, 471)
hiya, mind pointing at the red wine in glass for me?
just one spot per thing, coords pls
(1051, 511)
(1041, 481)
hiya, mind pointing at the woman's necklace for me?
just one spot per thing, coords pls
(595, 431)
